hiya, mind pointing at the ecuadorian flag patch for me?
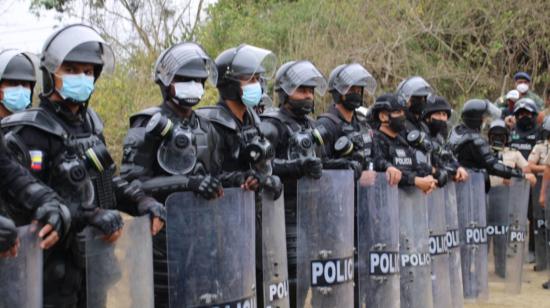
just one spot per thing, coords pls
(36, 160)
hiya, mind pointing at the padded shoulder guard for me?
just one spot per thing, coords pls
(37, 118)
(145, 113)
(95, 121)
(216, 114)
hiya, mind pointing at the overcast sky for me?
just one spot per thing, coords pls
(20, 28)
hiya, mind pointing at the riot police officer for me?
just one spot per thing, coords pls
(470, 148)
(394, 150)
(499, 136)
(414, 91)
(435, 115)
(62, 142)
(169, 148)
(524, 137)
(24, 199)
(247, 154)
(526, 133)
(347, 137)
(295, 140)
(17, 80)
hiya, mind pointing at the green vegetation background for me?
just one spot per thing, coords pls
(465, 49)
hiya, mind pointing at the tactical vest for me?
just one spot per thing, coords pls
(82, 173)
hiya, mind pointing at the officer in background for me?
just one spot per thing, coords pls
(539, 155)
(414, 91)
(508, 111)
(394, 150)
(526, 133)
(470, 148)
(169, 148)
(246, 153)
(17, 80)
(523, 137)
(498, 136)
(62, 142)
(436, 115)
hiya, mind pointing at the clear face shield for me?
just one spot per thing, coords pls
(250, 61)
(180, 55)
(354, 75)
(303, 73)
(68, 39)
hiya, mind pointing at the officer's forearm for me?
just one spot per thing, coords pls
(166, 184)
(407, 178)
(283, 167)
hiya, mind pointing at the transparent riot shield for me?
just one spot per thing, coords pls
(453, 244)
(378, 242)
(517, 233)
(211, 250)
(21, 277)
(325, 220)
(416, 282)
(540, 227)
(120, 274)
(439, 252)
(497, 227)
(472, 220)
(274, 261)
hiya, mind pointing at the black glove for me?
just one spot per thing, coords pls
(149, 205)
(55, 214)
(8, 234)
(206, 186)
(342, 163)
(441, 176)
(311, 166)
(274, 186)
(107, 221)
(233, 179)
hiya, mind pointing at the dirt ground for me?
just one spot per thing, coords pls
(532, 294)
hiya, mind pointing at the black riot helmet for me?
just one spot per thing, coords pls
(526, 104)
(435, 104)
(239, 63)
(345, 76)
(17, 65)
(295, 74)
(188, 61)
(74, 43)
(475, 110)
(416, 91)
(386, 102)
(498, 134)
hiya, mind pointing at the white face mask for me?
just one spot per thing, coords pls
(522, 87)
(191, 92)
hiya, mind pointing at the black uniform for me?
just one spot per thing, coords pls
(291, 137)
(358, 133)
(141, 162)
(524, 140)
(398, 153)
(235, 139)
(472, 151)
(59, 143)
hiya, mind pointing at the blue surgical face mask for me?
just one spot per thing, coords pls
(77, 87)
(252, 94)
(16, 98)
